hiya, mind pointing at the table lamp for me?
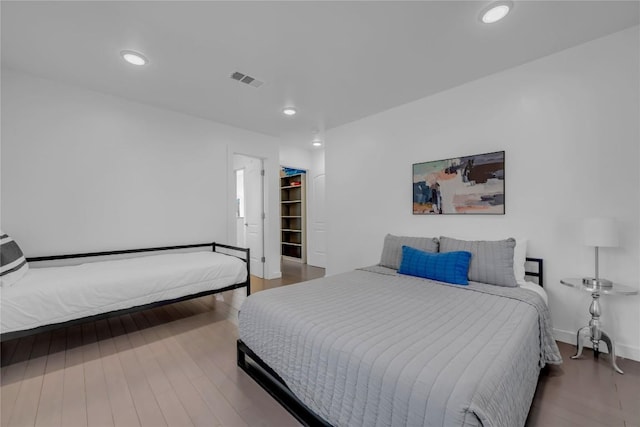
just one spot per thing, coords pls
(599, 232)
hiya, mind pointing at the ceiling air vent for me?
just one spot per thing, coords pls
(243, 78)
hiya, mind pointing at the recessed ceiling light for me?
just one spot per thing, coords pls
(134, 58)
(289, 111)
(316, 143)
(495, 11)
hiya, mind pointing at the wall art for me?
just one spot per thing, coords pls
(461, 185)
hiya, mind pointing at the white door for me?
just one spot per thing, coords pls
(241, 232)
(317, 253)
(254, 209)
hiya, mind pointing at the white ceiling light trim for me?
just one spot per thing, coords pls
(134, 58)
(289, 111)
(495, 11)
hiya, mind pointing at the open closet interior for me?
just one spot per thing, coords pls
(293, 214)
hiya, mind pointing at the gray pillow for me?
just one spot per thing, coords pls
(491, 261)
(392, 248)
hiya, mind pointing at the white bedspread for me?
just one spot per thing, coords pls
(58, 294)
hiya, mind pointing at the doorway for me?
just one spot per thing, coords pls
(241, 233)
(249, 176)
(293, 217)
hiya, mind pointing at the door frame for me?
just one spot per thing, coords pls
(233, 219)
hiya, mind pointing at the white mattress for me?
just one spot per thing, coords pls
(58, 294)
(534, 287)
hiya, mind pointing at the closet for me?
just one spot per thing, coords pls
(293, 214)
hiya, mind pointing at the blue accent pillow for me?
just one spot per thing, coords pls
(450, 267)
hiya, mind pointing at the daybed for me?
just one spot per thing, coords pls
(51, 297)
(373, 347)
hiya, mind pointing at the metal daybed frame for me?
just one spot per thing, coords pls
(214, 246)
(273, 384)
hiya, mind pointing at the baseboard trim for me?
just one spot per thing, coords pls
(274, 275)
(569, 337)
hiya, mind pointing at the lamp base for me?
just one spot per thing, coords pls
(593, 282)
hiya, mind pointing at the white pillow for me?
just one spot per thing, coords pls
(537, 289)
(519, 258)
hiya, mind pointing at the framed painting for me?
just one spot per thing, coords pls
(462, 185)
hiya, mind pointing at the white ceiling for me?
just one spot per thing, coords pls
(334, 61)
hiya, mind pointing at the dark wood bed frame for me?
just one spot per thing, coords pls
(214, 247)
(273, 384)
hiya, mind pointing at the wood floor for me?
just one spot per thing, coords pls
(176, 366)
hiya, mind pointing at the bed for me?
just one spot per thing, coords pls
(373, 347)
(52, 297)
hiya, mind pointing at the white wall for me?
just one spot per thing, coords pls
(85, 171)
(313, 162)
(569, 126)
(295, 157)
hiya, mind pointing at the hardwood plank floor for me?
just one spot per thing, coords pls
(175, 366)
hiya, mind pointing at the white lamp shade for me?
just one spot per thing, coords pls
(600, 232)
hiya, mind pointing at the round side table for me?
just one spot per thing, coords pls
(593, 331)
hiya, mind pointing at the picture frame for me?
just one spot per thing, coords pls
(463, 185)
